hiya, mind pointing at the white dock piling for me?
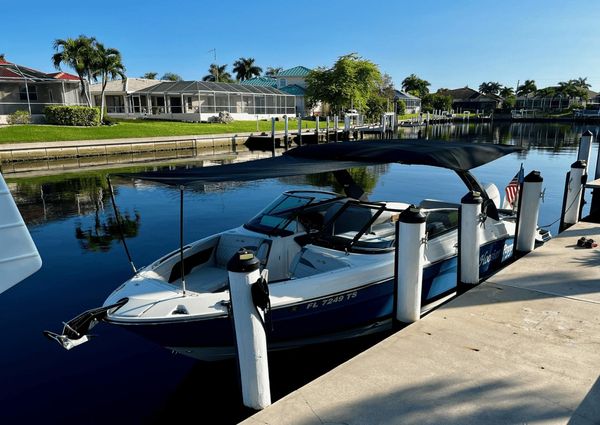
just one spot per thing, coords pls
(585, 147)
(285, 130)
(409, 264)
(529, 208)
(299, 131)
(273, 133)
(336, 126)
(470, 235)
(317, 128)
(251, 340)
(574, 192)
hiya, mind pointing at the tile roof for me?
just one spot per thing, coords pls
(297, 71)
(260, 81)
(294, 89)
(64, 76)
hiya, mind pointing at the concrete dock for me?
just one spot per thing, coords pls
(521, 348)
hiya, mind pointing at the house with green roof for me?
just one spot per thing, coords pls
(291, 81)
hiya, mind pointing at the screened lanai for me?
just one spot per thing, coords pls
(200, 99)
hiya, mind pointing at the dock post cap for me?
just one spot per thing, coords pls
(473, 197)
(588, 133)
(412, 214)
(582, 163)
(533, 177)
(243, 261)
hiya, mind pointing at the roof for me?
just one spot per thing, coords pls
(297, 71)
(404, 95)
(128, 85)
(469, 94)
(311, 159)
(294, 89)
(192, 87)
(64, 76)
(261, 82)
(12, 72)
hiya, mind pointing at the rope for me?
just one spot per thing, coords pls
(568, 208)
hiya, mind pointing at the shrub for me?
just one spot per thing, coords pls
(401, 107)
(19, 117)
(223, 118)
(73, 115)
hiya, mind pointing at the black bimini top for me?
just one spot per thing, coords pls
(311, 159)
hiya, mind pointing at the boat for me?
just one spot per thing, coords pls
(329, 256)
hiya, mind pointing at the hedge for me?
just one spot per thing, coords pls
(72, 115)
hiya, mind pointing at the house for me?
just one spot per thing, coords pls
(559, 101)
(192, 100)
(413, 103)
(467, 99)
(118, 95)
(26, 89)
(291, 81)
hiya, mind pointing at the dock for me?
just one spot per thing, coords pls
(522, 347)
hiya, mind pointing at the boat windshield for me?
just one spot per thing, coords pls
(359, 227)
(280, 216)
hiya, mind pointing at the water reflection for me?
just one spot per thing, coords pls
(100, 236)
(530, 134)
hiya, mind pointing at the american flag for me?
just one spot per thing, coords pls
(512, 189)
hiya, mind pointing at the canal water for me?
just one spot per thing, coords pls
(121, 378)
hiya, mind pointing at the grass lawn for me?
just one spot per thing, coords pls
(135, 128)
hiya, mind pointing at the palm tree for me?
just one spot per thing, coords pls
(218, 73)
(415, 85)
(150, 75)
(582, 82)
(107, 65)
(490, 87)
(272, 72)
(170, 76)
(245, 69)
(506, 92)
(527, 87)
(78, 53)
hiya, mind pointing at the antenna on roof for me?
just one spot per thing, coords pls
(214, 51)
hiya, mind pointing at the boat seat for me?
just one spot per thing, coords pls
(207, 279)
(229, 244)
(307, 263)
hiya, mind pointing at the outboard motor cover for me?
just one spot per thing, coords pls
(493, 193)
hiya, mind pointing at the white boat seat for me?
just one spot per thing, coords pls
(229, 244)
(206, 279)
(307, 263)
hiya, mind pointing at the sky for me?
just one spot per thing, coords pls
(451, 44)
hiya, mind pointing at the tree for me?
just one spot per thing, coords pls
(375, 107)
(2, 57)
(218, 73)
(245, 69)
(79, 54)
(348, 84)
(438, 101)
(582, 82)
(171, 76)
(400, 107)
(415, 86)
(574, 88)
(272, 72)
(107, 65)
(150, 75)
(490, 87)
(526, 88)
(506, 92)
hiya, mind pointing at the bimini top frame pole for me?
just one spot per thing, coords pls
(181, 238)
(118, 218)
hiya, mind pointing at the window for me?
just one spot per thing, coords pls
(282, 82)
(32, 93)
